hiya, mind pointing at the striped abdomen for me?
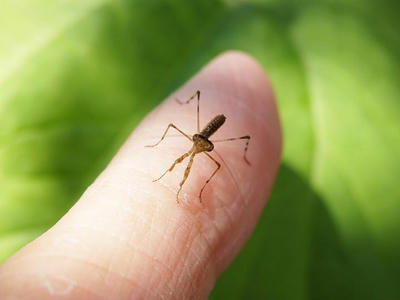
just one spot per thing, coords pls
(213, 126)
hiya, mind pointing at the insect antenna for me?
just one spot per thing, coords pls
(230, 174)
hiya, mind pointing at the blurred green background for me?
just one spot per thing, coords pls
(77, 76)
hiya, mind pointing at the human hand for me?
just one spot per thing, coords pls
(127, 237)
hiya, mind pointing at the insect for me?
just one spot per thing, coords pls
(201, 144)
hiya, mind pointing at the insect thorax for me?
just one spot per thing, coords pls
(201, 143)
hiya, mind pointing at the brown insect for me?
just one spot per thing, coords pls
(201, 144)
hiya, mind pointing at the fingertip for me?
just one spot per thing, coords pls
(233, 84)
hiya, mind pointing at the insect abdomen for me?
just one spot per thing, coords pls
(213, 126)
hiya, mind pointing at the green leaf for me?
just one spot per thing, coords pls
(76, 76)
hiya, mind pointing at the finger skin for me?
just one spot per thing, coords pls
(127, 237)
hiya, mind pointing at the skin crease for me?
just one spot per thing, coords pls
(127, 237)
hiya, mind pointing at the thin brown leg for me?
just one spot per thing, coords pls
(212, 175)
(185, 176)
(246, 137)
(165, 133)
(198, 107)
(177, 161)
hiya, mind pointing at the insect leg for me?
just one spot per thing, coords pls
(165, 133)
(212, 175)
(177, 161)
(246, 137)
(198, 107)
(185, 176)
